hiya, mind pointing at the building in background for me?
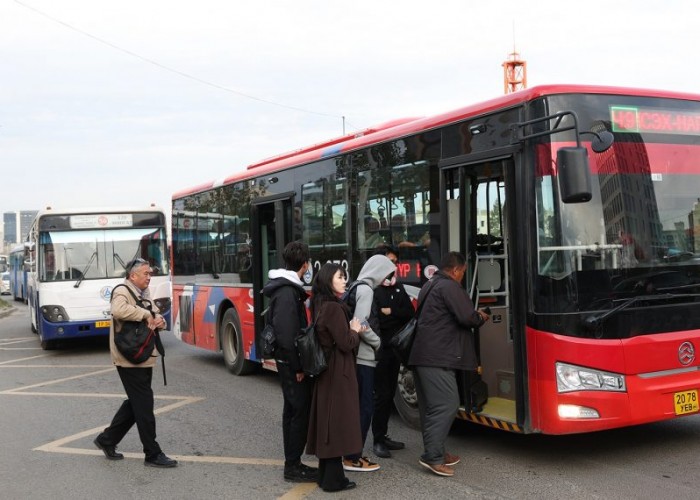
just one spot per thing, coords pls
(16, 226)
(9, 220)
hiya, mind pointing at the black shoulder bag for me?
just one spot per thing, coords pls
(402, 341)
(135, 341)
(311, 355)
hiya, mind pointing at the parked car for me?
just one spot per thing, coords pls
(5, 284)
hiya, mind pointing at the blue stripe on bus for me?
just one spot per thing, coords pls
(331, 151)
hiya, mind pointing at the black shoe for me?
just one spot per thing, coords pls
(300, 473)
(109, 451)
(160, 460)
(348, 486)
(393, 445)
(380, 449)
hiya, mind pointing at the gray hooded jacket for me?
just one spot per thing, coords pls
(375, 270)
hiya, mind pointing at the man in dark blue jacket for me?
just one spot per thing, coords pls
(444, 343)
(288, 315)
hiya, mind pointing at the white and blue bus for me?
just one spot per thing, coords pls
(78, 256)
(17, 265)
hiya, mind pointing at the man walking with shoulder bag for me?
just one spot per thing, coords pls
(136, 378)
(288, 316)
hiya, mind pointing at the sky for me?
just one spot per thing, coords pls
(106, 103)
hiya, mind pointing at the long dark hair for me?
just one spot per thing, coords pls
(322, 286)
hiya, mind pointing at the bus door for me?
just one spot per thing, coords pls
(473, 205)
(271, 231)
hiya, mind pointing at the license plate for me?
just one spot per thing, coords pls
(685, 402)
(102, 324)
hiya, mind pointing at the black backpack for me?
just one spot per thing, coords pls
(269, 339)
(268, 335)
(349, 297)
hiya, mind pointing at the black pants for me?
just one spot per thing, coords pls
(331, 476)
(295, 413)
(138, 409)
(386, 377)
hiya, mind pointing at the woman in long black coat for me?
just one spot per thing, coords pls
(334, 423)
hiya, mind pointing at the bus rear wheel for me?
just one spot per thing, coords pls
(232, 344)
(406, 398)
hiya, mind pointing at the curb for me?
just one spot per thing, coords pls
(7, 311)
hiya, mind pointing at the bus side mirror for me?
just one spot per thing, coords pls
(574, 176)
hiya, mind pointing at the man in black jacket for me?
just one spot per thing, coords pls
(394, 311)
(444, 343)
(288, 315)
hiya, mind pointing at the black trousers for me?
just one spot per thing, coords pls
(295, 413)
(331, 476)
(386, 377)
(137, 409)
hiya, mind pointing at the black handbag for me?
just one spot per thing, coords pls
(135, 341)
(311, 355)
(402, 341)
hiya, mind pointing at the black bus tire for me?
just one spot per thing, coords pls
(232, 344)
(47, 345)
(406, 399)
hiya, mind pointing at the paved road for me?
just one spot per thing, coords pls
(225, 431)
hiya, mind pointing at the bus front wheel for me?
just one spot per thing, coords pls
(406, 398)
(47, 345)
(232, 345)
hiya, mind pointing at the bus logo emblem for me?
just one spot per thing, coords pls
(686, 353)
(106, 293)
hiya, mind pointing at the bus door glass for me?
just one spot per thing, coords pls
(272, 230)
(475, 225)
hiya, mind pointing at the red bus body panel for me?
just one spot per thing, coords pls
(650, 364)
(208, 303)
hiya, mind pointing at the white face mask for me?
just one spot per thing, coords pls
(390, 281)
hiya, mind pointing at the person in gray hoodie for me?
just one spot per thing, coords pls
(373, 273)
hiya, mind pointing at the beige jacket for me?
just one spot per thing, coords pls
(124, 308)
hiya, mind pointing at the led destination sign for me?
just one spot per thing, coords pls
(659, 121)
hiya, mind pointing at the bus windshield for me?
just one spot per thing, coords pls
(638, 237)
(99, 253)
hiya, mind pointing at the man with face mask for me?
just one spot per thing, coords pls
(395, 310)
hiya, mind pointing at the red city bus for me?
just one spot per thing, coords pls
(577, 207)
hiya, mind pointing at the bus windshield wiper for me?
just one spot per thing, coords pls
(593, 321)
(121, 262)
(82, 275)
(667, 289)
